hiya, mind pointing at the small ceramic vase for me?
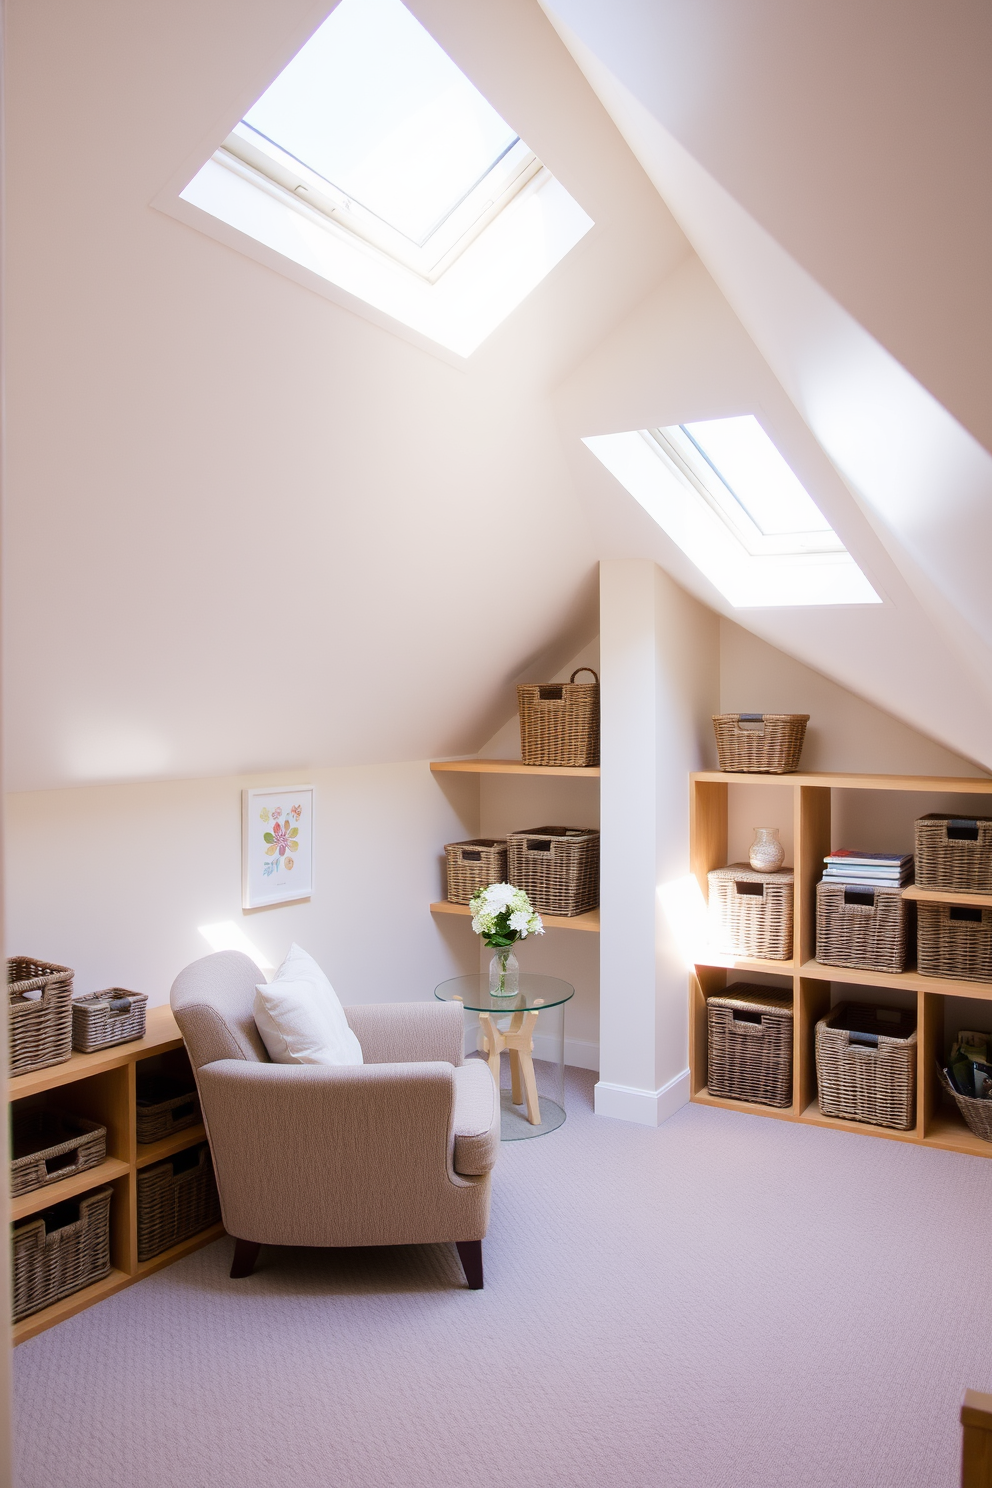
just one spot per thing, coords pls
(767, 854)
(504, 973)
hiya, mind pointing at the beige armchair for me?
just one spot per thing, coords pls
(395, 1151)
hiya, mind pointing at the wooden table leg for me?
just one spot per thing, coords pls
(516, 1089)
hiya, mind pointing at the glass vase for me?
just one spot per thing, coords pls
(767, 853)
(504, 973)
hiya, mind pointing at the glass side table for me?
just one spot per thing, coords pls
(531, 1089)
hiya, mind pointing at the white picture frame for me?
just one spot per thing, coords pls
(276, 845)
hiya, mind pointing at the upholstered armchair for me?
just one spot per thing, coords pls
(396, 1151)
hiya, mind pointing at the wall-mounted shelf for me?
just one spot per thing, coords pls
(512, 767)
(102, 1087)
(807, 980)
(589, 921)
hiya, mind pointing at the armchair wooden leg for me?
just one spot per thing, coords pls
(245, 1256)
(470, 1255)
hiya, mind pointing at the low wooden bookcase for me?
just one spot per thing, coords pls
(804, 978)
(101, 1086)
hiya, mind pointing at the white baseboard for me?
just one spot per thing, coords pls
(579, 1053)
(646, 1107)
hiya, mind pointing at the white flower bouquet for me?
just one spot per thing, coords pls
(502, 914)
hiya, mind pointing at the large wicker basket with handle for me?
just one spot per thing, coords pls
(40, 995)
(954, 854)
(866, 1065)
(977, 1113)
(751, 913)
(47, 1146)
(559, 721)
(557, 868)
(60, 1251)
(863, 926)
(954, 940)
(749, 1054)
(165, 1105)
(761, 743)
(474, 865)
(176, 1198)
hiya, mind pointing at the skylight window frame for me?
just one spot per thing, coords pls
(678, 450)
(515, 169)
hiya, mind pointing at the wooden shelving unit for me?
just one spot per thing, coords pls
(803, 976)
(589, 921)
(102, 1087)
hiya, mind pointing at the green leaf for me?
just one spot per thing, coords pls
(267, 837)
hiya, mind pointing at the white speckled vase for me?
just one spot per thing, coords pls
(767, 854)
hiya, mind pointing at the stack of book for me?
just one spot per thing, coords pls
(872, 870)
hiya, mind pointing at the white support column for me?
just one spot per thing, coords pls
(660, 652)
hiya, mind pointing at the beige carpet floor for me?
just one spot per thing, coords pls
(726, 1302)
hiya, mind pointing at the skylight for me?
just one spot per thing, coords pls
(375, 108)
(372, 163)
(723, 492)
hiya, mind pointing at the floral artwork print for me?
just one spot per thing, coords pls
(283, 840)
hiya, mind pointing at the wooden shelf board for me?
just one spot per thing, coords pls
(176, 1252)
(67, 1188)
(588, 921)
(950, 1133)
(161, 1033)
(151, 1152)
(746, 963)
(938, 896)
(909, 981)
(814, 1116)
(513, 767)
(980, 785)
(30, 1327)
(749, 1108)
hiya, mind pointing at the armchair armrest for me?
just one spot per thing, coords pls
(337, 1155)
(391, 1032)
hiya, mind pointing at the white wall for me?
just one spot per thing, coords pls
(115, 881)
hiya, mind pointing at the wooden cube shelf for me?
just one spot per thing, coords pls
(803, 978)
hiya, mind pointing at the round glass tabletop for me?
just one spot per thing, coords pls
(535, 992)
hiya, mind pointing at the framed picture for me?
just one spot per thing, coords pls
(276, 845)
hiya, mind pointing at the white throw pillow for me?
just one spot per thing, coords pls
(300, 1017)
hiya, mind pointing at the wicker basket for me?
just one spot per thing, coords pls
(101, 1019)
(954, 940)
(557, 867)
(473, 866)
(750, 1046)
(977, 1113)
(866, 1065)
(559, 721)
(866, 927)
(40, 1028)
(165, 1105)
(770, 744)
(60, 1251)
(750, 913)
(954, 854)
(176, 1198)
(47, 1146)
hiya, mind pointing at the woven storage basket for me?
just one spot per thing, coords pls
(954, 940)
(750, 913)
(165, 1105)
(102, 1019)
(750, 1046)
(60, 1250)
(559, 721)
(473, 866)
(49, 1145)
(771, 745)
(40, 1028)
(176, 1198)
(866, 927)
(866, 1065)
(557, 867)
(977, 1113)
(954, 853)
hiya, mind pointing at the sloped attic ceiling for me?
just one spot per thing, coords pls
(247, 529)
